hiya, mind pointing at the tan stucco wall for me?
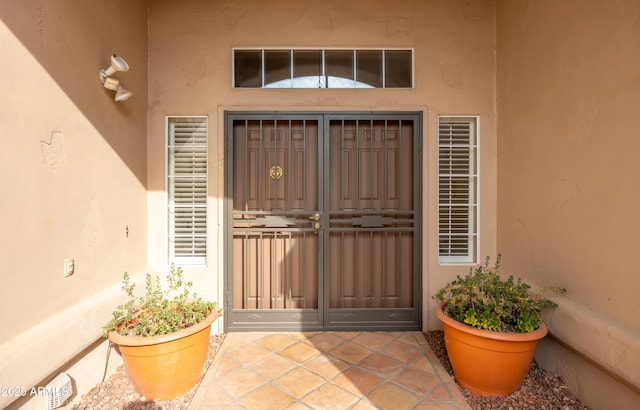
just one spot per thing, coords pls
(190, 74)
(568, 194)
(74, 174)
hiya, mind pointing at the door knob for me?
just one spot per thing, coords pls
(315, 217)
(316, 226)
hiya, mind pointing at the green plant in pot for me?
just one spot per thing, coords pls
(491, 328)
(163, 336)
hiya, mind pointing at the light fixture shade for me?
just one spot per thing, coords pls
(117, 64)
(123, 94)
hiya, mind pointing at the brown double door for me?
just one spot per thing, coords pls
(322, 221)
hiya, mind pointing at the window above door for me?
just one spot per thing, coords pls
(322, 68)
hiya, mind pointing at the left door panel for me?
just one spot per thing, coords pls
(273, 181)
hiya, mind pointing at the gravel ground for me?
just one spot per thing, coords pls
(540, 390)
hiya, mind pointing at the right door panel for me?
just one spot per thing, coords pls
(373, 278)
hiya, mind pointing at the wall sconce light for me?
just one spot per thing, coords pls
(117, 64)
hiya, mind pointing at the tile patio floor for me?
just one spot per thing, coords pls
(327, 370)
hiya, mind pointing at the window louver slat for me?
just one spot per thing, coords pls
(457, 201)
(187, 189)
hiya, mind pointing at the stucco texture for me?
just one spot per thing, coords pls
(569, 91)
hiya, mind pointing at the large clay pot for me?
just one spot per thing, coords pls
(166, 366)
(488, 363)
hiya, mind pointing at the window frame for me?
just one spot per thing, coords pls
(322, 78)
(473, 234)
(169, 206)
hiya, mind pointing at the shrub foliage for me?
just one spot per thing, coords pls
(157, 312)
(484, 300)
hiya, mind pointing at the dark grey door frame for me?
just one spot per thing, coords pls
(325, 318)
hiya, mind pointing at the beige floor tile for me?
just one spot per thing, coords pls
(357, 381)
(249, 353)
(297, 406)
(364, 404)
(440, 394)
(381, 365)
(300, 336)
(401, 351)
(216, 406)
(268, 397)
(416, 380)
(330, 397)
(299, 382)
(412, 338)
(350, 352)
(240, 382)
(241, 338)
(327, 366)
(278, 341)
(392, 396)
(218, 396)
(372, 340)
(300, 352)
(224, 365)
(423, 364)
(348, 335)
(325, 341)
(395, 335)
(273, 366)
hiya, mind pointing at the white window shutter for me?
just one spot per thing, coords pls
(457, 189)
(187, 189)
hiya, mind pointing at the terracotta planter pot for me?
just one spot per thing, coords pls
(166, 366)
(488, 363)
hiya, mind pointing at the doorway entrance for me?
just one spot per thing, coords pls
(323, 221)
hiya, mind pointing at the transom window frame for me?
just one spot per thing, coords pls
(451, 158)
(323, 79)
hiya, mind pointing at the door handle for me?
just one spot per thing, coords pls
(315, 217)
